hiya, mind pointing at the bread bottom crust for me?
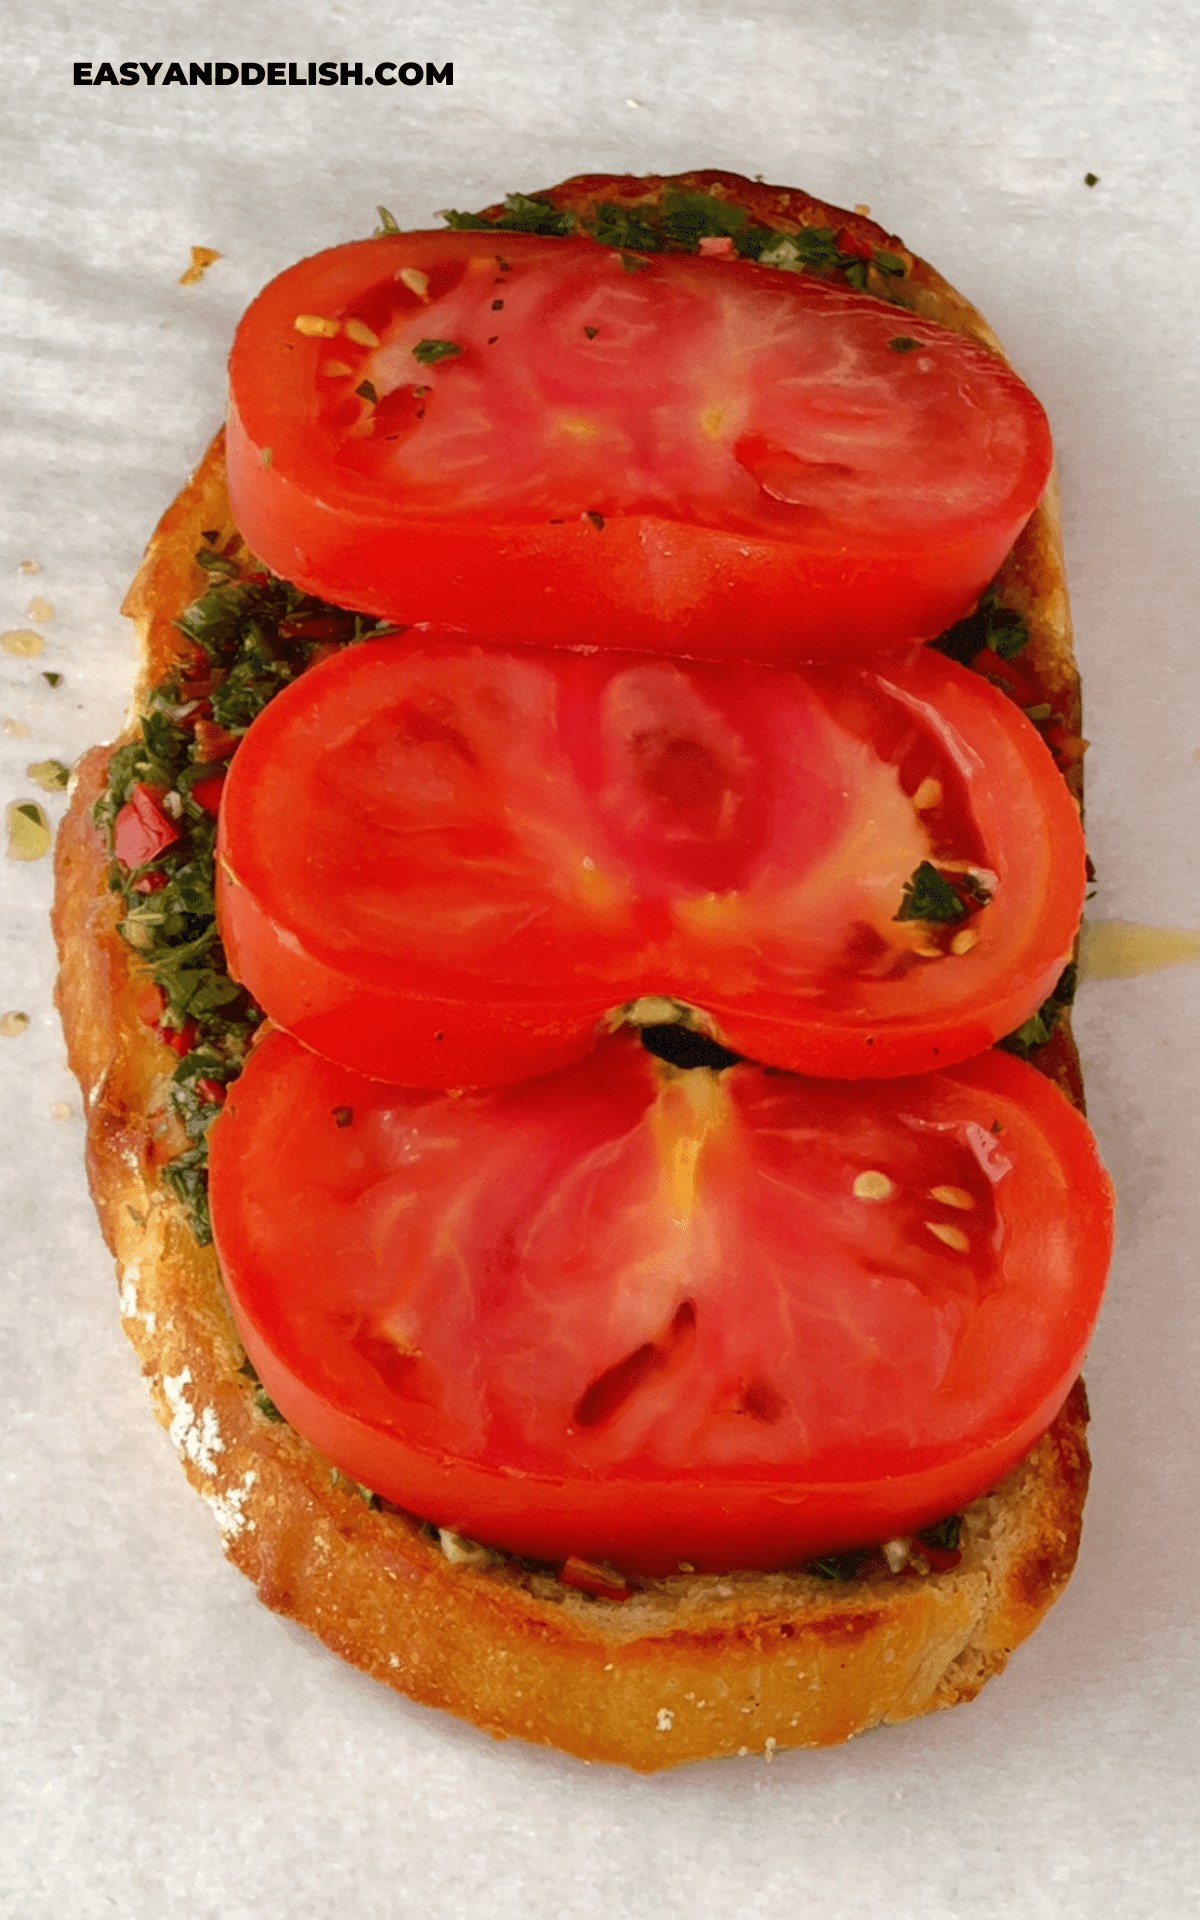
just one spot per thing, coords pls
(689, 1667)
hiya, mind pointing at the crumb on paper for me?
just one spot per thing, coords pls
(23, 642)
(39, 608)
(29, 566)
(28, 830)
(202, 259)
(61, 1110)
(11, 1024)
(50, 775)
(862, 208)
(16, 729)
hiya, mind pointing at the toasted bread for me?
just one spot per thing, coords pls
(686, 1667)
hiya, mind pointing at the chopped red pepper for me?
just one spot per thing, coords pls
(1067, 748)
(1017, 680)
(213, 742)
(847, 242)
(180, 1039)
(211, 1091)
(151, 882)
(939, 1558)
(143, 830)
(207, 793)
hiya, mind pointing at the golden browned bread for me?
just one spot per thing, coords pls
(688, 1667)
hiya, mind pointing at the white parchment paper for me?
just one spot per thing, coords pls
(166, 1746)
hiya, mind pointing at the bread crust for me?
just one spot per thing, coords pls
(689, 1667)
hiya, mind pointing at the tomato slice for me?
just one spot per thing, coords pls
(563, 444)
(644, 1315)
(447, 864)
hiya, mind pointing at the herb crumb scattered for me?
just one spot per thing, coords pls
(427, 353)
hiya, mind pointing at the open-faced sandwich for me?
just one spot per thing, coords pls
(582, 918)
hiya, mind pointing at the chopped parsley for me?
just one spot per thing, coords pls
(251, 635)
(678, 224)
(839, 1566)
(992, 625)
(1035, 1031)
(427, 353)
(521, 215)
(946, 1533)
(928, 895)
(263, 1402)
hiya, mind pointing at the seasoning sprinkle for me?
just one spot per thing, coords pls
(872, 1185)
(22, 642)
(28, 830)
(953, 1197)
(952, 1237)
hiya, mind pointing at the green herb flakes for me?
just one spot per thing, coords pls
(839, 1566)
(1039, 1027)
(50, 775)
(250, 635)
(945, 1533)
(1000, 628)
(427, 353)
(928, 895)
(29, 833)
(678, 224)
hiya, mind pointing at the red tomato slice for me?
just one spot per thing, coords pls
(562, 444)
(635, 1314)
(447, 864)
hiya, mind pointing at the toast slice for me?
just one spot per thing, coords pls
(685, 1668)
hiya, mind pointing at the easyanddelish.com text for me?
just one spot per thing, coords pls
(256, 73)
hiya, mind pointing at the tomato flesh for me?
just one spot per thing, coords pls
(563, 444)
(448, 865)
(644, 1315)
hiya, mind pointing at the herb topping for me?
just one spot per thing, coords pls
(681, 221)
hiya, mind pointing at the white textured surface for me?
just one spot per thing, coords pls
(167, 1748)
